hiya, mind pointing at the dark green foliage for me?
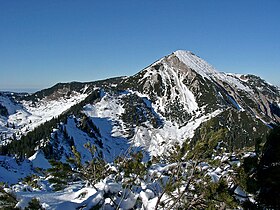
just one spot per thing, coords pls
(94, 169)
(137, 111)
(242, 129)
(134, 165)
(250, 163)
(175, 111)
(76, 109)
(130, 83)
(245, 175)
(176, 154)
(107, 83)
(8, 201)
(31, 180)
(90, 128)
(261, 177)
(91, 171)
(275, 109)
(258, 146)
(209, 95)
(76, 160)
(62, 174)
(204, 193)
(269, 171)
(210, 135)
(34, 204)
(3, 111)
(217, 195)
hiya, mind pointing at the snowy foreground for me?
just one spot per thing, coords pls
(157, 186)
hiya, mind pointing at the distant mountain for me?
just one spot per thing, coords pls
(164, 104)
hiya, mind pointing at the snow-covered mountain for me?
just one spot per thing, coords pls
(177, 106)
(184, 90)
(161, 105)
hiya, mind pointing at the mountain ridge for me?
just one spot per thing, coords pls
(175, 94)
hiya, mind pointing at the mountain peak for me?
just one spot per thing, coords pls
(196, 63)
(184, 51)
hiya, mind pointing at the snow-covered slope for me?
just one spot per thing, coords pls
(45, 109)
(24, 115)
(12, 170)
(39, 160)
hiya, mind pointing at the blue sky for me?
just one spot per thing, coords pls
(45, 42)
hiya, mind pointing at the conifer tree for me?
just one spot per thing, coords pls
(8, 200)
(269, 171)
(34, 204)
(61, 173)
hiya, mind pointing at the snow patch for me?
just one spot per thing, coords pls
(157, 141)
(12, 170)
(39, 161)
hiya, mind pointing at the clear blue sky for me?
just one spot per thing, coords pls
(45, 42)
